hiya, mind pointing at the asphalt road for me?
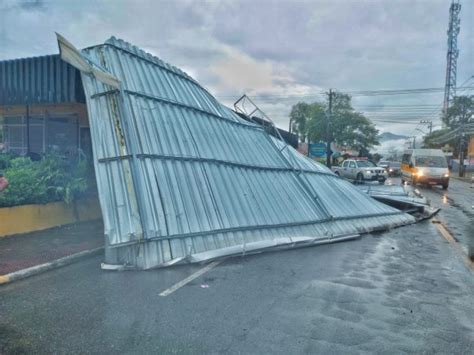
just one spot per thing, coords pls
(402, 291)
(457, 212)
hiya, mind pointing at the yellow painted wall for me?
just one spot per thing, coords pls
(29, 218)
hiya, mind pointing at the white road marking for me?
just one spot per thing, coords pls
(190, 278)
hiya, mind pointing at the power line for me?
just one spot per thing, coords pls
(393, 110)
(466, 81)
(401, 105)
(394, 118)
(460, 91)
(398, 122)
(397, 91)
(402, 114)
(352, 93)
(438, 108)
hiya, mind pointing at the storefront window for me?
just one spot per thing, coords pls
(36, 136)
(14, 130)
(46, 134)
(86, 142)
(62, 134)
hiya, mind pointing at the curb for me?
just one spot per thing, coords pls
(38, 269)
(464, 179)
(446, 234)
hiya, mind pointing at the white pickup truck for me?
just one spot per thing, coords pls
(360, 170)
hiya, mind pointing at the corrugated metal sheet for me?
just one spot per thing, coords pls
(183, 178)
(45, 79)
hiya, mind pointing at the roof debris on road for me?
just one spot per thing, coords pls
(404, 198)
(182, 178)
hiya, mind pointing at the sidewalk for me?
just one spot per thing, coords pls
(30, 249)
(468, 177)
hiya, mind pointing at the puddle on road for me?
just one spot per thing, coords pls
(445, 199)
(457, 216)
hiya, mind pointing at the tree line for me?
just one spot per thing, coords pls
(460, 113)
(347, 127)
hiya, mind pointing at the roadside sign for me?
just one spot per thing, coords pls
(317, 149)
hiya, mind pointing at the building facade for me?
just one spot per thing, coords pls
(42, 108)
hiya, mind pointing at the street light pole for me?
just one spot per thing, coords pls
(328, 131)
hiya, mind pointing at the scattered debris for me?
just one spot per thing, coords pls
(404, 198)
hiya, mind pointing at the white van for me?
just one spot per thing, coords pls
(425, 166)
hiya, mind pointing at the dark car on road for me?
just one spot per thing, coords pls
(393, 168)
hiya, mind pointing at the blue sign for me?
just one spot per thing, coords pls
(317, 149)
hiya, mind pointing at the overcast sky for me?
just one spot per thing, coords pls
(278, 52)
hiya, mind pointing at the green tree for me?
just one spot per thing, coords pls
(460, 112)
(376, 157)
(348, 127)
(429, 141)
(307, 119)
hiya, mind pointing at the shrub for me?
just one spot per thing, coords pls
(5, 159)
(52, 178)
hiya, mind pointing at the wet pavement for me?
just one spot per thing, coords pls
(400, 291)
(406, 290)
(457, 212)
(21, 251)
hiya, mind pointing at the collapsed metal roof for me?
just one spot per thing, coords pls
(182, 178)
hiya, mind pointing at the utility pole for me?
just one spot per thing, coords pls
(461, 151)
(429, 123)
(328, 131)
(414, 142)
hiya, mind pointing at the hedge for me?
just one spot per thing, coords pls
(52, 178)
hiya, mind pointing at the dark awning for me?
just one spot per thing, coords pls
(45, 79)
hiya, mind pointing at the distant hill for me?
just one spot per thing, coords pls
(387, 136)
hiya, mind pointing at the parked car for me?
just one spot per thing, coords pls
(360, 171)
(425, 166)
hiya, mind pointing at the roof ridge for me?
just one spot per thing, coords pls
(137, 51)
(29, 58)
(118, 42)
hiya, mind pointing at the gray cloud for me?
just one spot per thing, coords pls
(272, 48)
